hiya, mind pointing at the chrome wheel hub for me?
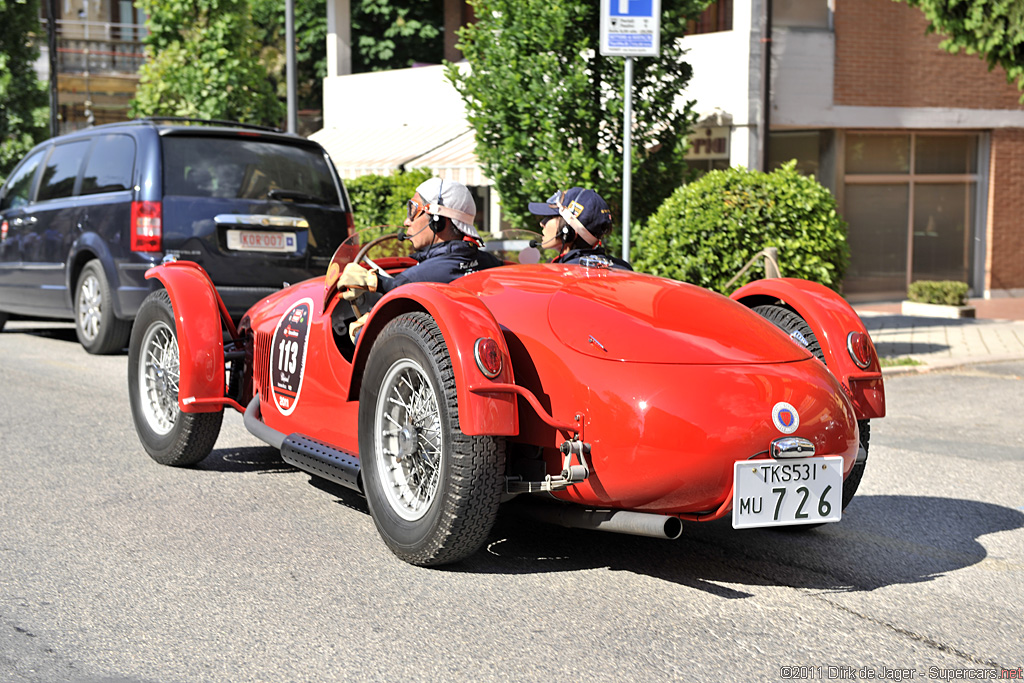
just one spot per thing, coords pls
(158, 378)
(409, 443)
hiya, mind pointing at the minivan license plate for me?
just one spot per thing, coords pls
(786, 492)
(259, 240)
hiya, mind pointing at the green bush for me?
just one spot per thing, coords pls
(944, 292)
(707, 230)
(379, 200)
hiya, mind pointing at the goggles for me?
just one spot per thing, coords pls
(414, 209)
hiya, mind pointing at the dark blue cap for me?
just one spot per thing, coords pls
(586, 206)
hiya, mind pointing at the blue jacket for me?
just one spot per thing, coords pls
(573, 256)
(443, 263)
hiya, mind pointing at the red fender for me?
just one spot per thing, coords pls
(832, 319)
(198, 323)
(462, 319)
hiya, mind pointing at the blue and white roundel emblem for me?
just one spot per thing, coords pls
(785, 417)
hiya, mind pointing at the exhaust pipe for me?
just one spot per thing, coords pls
(615, 521)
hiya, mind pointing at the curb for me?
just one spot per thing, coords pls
(947, 364)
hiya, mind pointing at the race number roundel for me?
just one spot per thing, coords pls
(288, 356)
(785, 417)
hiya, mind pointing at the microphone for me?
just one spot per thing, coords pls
(534, 243)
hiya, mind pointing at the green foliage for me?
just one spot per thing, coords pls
(547, 108)
(380, 200)
(268, 19)
(394, 35)
(991, 28)
(709, 229)
(943, 292)
(202, 61)
(385, 35)
(23, 99)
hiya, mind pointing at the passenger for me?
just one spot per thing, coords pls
(439, 224)
(574, 222)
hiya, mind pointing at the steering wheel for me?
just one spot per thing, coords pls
(361, 256)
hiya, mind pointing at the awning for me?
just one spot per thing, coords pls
(447, 150)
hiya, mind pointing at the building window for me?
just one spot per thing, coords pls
(910, 200)
(800, 13)
(717, 17)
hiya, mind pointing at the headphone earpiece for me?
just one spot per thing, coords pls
(436, 219)
(566, 233)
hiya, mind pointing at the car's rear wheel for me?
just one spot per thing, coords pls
(170, 436)
(97, 328)
(800, 332)
(433, 491)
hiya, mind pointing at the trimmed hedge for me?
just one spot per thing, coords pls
(707, 230)
(379, 200)
(943, 292)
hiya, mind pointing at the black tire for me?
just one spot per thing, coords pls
(431, 508)
(800, 332)
(170, 436)
(3, 320)
(852, 482)
(99, 332)
(793, 325)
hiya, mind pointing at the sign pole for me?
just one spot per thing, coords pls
(629, 28)
(627, 156)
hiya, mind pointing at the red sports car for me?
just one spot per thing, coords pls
(608, 399)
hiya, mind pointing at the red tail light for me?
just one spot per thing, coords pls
(147, 226)
(488, 357)
(859, 346)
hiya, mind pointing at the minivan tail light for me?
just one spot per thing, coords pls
(147, 226)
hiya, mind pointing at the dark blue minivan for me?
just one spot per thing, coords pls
(84, 215)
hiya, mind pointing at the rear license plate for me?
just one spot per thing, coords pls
(785, 492)
(259, 240)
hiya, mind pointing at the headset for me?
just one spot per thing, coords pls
(436, 219)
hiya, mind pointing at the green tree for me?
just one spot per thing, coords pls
(23, 100)
(547, 108)
(707, 230)
(202, 61)
(386, 35)
(993, 29)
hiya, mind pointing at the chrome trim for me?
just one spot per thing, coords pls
(791, 447)
(260, 220)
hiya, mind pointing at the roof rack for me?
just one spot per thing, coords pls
(213, 122)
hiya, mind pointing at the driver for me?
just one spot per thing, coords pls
(440, 226)
(574, 221)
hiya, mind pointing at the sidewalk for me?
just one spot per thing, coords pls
(995, 334)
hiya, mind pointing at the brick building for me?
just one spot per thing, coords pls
(924, 150)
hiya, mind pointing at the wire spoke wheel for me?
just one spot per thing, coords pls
(158, 370)
(409, 439)
(433, 492)
(170, 436)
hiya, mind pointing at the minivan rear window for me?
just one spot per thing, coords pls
(234, 168)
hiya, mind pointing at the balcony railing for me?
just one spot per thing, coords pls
(97, 47)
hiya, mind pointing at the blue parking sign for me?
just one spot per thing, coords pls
(631, 28)
(631, 8)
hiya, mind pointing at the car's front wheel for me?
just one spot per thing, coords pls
(170, 436)
(433, 491)
(98, 330)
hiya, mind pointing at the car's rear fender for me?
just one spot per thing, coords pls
(832, 320)
(199, 321)
(462, 319)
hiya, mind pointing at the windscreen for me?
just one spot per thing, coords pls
(245, 168)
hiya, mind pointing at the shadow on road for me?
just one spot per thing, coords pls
(262, 459)
(882, 541)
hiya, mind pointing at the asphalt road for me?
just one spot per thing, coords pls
(116, 569)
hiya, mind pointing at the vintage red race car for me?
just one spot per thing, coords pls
(597, 397)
